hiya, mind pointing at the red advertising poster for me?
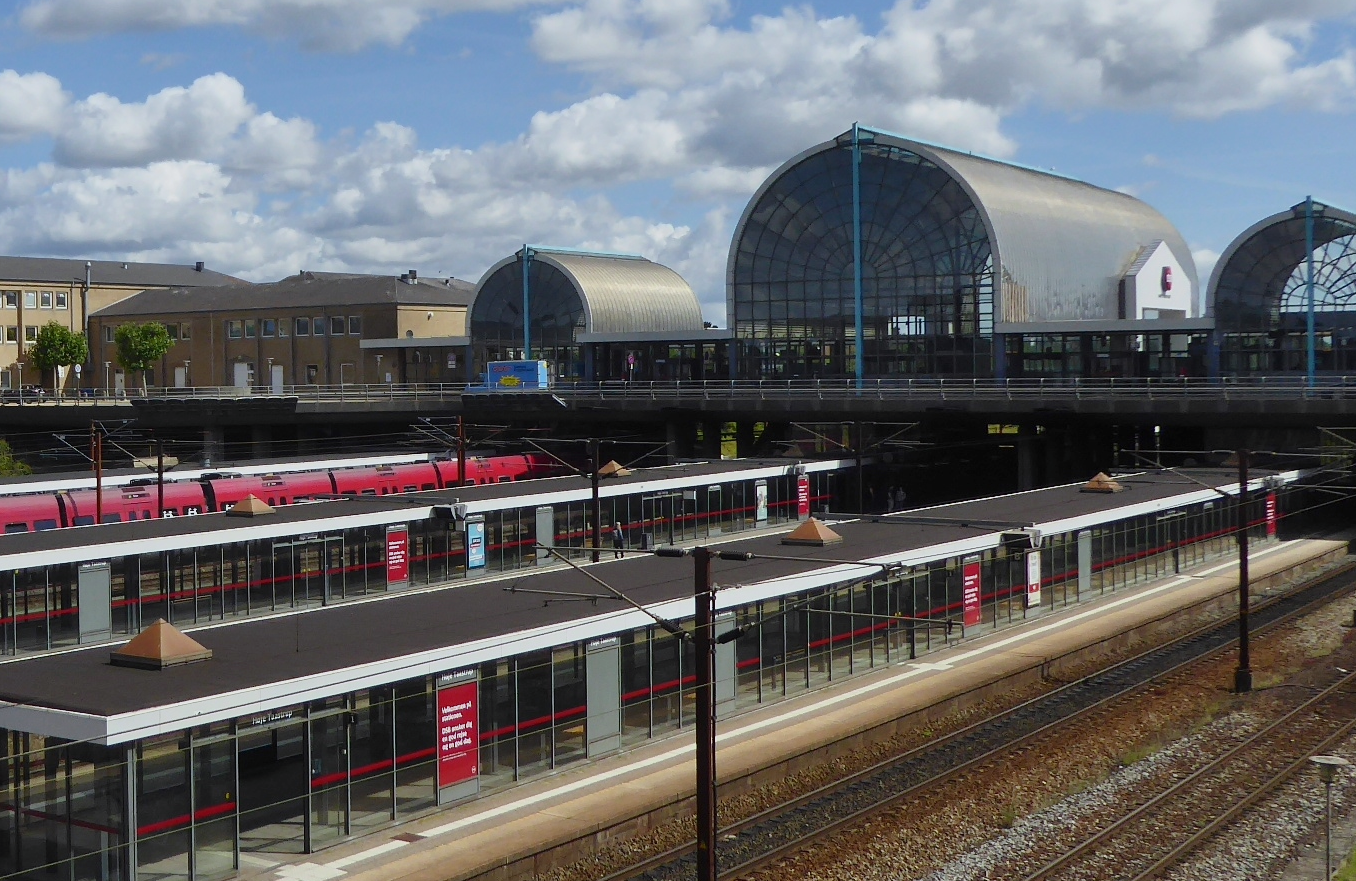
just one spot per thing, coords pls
(458, 755)
(1271, 515)
(970, 593)
(802, 497)
(397, 555)
(1033, 579)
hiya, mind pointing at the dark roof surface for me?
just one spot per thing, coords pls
(56, 270)
(255, 653)
(302, 514)
(304, 290)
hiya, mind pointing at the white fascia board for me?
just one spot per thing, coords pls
(265, 530)
(658, 484)
(1086, 521)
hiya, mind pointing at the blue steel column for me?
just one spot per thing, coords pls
(1309, 285)
(857, 248)
(527, 318)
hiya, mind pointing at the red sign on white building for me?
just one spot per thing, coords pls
(970, 577)
(802, 497)
(458, 722)
(397, 555)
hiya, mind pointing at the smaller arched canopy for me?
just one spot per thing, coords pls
(1258, 292)
(569, 293)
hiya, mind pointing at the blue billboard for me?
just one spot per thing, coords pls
(475, 544)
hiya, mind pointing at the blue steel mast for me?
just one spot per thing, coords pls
(527, 289)
(857, 250)
(1309, 286)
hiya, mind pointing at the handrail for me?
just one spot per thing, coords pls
(905, 389)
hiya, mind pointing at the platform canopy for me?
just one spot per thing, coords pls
(1259, 292)
(954, 248)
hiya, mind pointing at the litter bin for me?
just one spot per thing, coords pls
(647, 541)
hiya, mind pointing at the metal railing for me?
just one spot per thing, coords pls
(899, 390)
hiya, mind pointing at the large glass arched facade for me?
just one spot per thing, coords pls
(1259, 294)
(927, 271)
(556, 310)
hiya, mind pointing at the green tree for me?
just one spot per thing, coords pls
(140, 346)
(58, 347)
(10, 466)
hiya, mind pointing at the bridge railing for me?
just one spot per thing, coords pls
(799, 390)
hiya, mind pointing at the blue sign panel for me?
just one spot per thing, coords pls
(517, 375)
(475, 544)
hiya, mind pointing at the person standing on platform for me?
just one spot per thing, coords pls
(618, 541)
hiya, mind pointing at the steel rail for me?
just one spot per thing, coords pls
(1329, 579)
(1185, 784)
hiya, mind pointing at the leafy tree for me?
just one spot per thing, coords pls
(10, 466)
(140, 346)
(57, 347)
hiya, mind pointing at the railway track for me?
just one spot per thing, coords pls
(1161, 830)
(759, 842)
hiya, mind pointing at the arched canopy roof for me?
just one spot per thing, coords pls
(1058, 247)
(1263, 272)
(572, 291)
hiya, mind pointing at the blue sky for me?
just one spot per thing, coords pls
(267, 136)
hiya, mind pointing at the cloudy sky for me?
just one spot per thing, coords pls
(268, 136)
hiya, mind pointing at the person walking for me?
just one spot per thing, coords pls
(618, 541)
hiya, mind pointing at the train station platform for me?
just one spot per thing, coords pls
(525, 829)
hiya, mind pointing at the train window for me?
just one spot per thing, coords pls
(427, 486)
(271, 500)
(11, 528)
(145, 515)
(112, 518)
(84, 520)
(131, 515)
(369, 492)
(503, 479)
(349, 492)
(44, 525)
(170, 512)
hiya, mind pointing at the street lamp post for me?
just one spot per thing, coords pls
(704, 646)
(1327, 770)
(1243, 675)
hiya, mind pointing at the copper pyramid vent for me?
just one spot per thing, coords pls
(613, 469)
(812, 533)
(1102, 483)
(160, 646)
(249, 506)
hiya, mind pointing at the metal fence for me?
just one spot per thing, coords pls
(903, 390)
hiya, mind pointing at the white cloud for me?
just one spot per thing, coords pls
(330, 25)
(30, 104)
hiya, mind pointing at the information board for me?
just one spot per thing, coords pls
(760, 501)
(1271, 515)
(970, 577)
(802, 497)
(397, 555)
(1033, 579)
(475, 544)
(458, 722)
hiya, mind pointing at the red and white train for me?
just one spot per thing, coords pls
(217, 492)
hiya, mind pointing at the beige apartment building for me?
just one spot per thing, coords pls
(311, 328)
(37, 290)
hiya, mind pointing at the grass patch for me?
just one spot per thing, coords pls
(1140, 752)
(1347, 872)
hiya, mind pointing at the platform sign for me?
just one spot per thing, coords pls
(458, 724)
(970, 577)
(760, 502)
(1033, 578)
(397, 555)
(475, 544)
(802, 497)
(1271, 515)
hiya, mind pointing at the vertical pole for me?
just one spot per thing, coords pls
(527, 289)
(704, 644)
(594, 465)
(1243, 675)
(1309, 287)
(461, 450)
(857, 250)
(861, 475)
(96, 442)
(159, 478)
(1327, 838)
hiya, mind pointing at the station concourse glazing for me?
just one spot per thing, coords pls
(312, 726)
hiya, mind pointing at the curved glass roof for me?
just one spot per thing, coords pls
(952, 243)
(571, 291)
(1260, 282)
